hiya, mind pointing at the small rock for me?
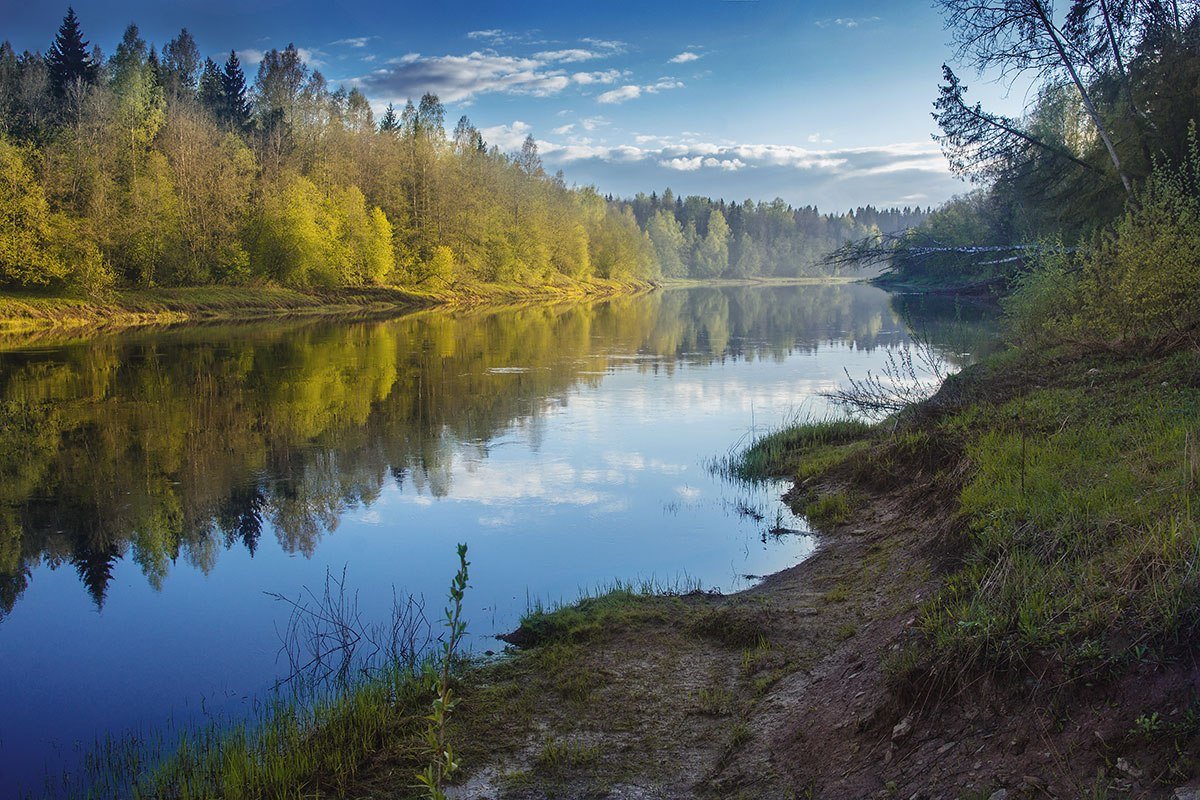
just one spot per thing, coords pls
(946, 747)
(1093, 371)
(902, 729)
(1128, 769)
(999, 794)
(1033, 782)
(859, 531)
(890, 754)
(1187, 793)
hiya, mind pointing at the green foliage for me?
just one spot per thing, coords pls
(1137, 287)
(176, 175)
(795, 449)
(1044, 297)
(37, 246)
(712, 253)
(829, 508)
(753, 239)
(1083, 544)
(442, 764)
(27, 256)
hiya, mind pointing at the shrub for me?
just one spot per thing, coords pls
(1137, 286)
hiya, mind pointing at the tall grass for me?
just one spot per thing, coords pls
(355, 688)
(780, 453)
(1084, 547)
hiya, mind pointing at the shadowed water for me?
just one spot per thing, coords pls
(154, 486)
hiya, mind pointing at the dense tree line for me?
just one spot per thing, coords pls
(699, 237)
(1114, 101)
(151, 167)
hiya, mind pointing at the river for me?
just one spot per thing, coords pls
(156, 486)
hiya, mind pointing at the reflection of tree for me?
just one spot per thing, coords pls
(154, 446)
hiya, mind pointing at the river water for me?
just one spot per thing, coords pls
(157, 486)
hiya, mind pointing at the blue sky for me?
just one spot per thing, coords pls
(824, 103)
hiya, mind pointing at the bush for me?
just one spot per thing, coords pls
(26, 225)
(1043, 298)
(1137, 286)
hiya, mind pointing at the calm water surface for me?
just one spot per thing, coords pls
(154, 486)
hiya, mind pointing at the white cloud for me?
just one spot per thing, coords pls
(311, 57)
(612, 45)
(354, 41)
(456, 78)
(683, 164)
(507, 137)
(693, 156)
(493, 35)
(569, 56)
(685, 57)
(563, 130)
(589, 78)
(620, 95)
(817, 138)
(847, 22)
(250, 56)
(631, 91)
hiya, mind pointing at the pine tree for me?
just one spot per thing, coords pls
(181, 63)
(212, 90)
(68, 59)
(235, 109)
(390, 123)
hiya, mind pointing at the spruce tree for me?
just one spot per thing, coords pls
(390, 122)
(212, 88)
(68, 59)
(235, 111)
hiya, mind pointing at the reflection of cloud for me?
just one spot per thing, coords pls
(688, 492)
(628, 461)
(499, 484)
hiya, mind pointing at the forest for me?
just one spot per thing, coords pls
(158, 168)
(699, 237)
(1097, 179)
(151, 168)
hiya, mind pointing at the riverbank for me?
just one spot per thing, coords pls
(990, 287)
(1003, 601)
(1003, 605)
(22, 313)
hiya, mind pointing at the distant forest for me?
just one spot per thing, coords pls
(162, 168)
(699, 237)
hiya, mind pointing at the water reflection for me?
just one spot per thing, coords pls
(154, 485)
(175, 445)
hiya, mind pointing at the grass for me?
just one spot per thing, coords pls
(1074, 480)
(1083, 545)
(297, 745)
(795, 450)
(828, 509)
(618, 604)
